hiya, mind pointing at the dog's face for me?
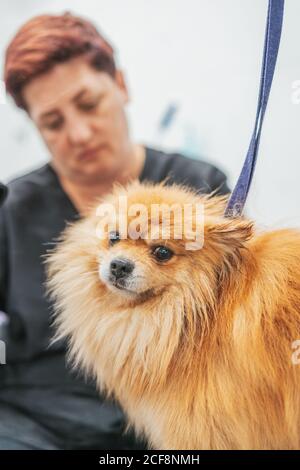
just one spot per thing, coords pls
(133, 268)
(144, 258)
(170, 237)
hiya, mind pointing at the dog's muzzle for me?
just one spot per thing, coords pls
(120, 269)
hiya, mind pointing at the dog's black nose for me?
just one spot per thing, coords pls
(120, 268)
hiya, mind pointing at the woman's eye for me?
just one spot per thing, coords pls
(162, 253)
(89, 105)
(54, 125)
(113, 237)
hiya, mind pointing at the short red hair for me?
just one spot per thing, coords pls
(47, 40)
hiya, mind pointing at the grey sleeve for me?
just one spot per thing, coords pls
(3, 284)
(219, 182)
(206, 177)
(3, 260)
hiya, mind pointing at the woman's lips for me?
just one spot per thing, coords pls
(90, 153)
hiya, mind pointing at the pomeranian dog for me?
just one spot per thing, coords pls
(195, 344)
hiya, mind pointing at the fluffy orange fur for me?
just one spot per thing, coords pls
(200, 358)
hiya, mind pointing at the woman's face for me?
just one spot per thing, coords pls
(80, 114)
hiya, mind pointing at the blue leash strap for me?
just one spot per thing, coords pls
(239, 195)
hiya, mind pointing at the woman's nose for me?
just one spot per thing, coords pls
(79, 132)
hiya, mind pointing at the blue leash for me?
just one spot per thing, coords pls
(239, 195)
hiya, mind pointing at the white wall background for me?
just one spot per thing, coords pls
(205, 56)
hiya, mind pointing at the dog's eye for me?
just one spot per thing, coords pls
(113, 237)
(162, 253)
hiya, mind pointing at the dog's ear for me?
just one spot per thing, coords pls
(231, 233)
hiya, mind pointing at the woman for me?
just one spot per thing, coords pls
(62, 72)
